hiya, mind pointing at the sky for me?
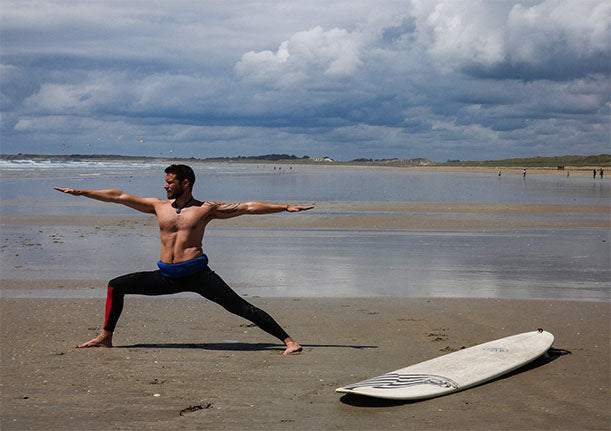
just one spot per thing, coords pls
(347, 79)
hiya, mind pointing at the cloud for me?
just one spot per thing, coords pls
(552, 39)
(457, 32)
(307, 55)
(576, 30)
(440, 79)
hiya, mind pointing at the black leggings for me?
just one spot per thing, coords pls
(207, 283)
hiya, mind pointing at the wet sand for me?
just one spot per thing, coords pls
(373, 215)
(187, 364)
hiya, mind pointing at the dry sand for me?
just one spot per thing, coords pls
(185, 363)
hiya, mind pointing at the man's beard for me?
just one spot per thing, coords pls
(176, 194)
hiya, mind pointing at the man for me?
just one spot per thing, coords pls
(183, 266)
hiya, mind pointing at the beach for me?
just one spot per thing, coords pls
(187, 364)
(366, 287)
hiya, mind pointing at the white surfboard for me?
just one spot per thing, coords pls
(456, 371)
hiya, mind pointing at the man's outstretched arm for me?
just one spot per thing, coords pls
(146, 205)
(223, 210)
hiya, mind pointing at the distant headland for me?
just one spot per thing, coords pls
(555, 162)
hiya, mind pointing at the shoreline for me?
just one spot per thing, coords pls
(511, 170)
(186, 364)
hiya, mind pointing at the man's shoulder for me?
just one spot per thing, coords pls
(157, 201)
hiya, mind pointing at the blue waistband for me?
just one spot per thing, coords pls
(183, 269)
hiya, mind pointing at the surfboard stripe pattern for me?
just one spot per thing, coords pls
(397, 380)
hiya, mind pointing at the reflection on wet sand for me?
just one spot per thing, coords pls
(518, 263)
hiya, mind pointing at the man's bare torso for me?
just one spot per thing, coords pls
(182, 234)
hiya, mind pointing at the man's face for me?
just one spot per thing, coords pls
(173, 188)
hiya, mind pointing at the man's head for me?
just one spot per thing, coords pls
(178, 178)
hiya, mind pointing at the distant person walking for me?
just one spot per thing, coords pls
(602, 172)
(524, 172)
(593, 173)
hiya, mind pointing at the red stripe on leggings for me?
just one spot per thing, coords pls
(108, 304)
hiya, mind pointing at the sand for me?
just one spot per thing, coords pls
(372, 215)
(185, 363)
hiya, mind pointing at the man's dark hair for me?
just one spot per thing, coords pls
(182, 172)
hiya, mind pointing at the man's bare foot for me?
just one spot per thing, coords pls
(102, 340)
(291, 346)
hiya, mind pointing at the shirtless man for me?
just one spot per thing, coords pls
(183, 266)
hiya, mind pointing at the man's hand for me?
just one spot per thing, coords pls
(297, 208)
(68, 190)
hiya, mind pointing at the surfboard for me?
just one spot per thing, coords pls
(456, 371)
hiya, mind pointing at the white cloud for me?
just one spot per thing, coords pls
(307, 54)
(535, 37)
(466, 32)
(579, 27)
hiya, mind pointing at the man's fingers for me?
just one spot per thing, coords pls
(298, 208)
(66, 190)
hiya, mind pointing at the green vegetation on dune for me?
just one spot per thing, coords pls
(596, 160)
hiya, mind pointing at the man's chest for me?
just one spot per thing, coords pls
(187, 219)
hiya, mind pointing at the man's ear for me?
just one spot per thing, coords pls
(185, 184)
